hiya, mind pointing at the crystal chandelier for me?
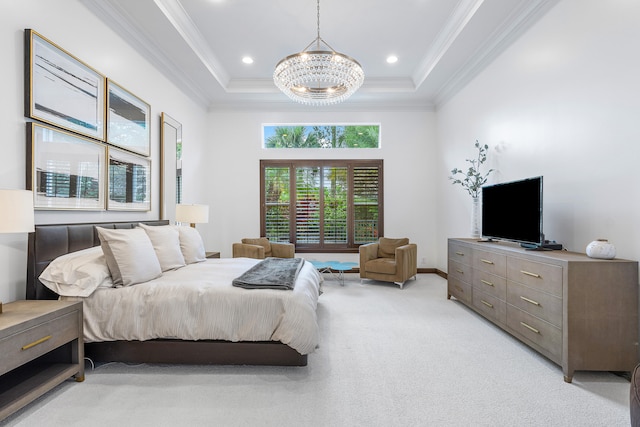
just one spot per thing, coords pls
(318, 77)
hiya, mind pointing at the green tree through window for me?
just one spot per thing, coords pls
(322, 136)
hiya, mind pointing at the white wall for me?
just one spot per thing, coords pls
(563, 102)
(407, 148)
(74, 28)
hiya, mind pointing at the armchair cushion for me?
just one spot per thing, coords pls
(387, 247)
(261, 248)
(261, 241)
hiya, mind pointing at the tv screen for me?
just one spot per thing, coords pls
(513, 211)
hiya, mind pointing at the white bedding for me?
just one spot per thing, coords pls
(198, 302)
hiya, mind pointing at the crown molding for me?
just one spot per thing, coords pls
(464, 11)
(504, 35)
(121, 22)
(183, 24)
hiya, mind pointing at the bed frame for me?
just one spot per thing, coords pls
(48, 242)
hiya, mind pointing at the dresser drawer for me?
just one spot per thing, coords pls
(459, 289)
(536, 330)
(460, 271)
(490, 306)
(490, 262)
(540, 304)
(491, 284)
(33, 342)
(461, 254)
(545, 277)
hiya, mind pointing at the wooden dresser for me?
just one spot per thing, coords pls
(41, 346)
(581, 313)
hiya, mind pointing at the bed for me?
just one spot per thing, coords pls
(282, 331)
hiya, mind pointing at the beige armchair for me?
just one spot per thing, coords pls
(389, 260)
(262, 248)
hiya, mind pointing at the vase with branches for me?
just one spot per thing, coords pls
(472, 180)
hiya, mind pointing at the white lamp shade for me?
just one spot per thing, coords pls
(193, 214)
(16, 211)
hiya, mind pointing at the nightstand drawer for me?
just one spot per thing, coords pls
(33, 342)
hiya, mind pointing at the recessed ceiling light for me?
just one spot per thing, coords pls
(247, 60)
(392, 59)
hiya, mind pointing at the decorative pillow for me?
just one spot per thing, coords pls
(191, 245)
(77, 274)
(130, 255)
(387, 247)
(166, 242)
(261, 241)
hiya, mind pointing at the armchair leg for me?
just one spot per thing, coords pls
(401, 284)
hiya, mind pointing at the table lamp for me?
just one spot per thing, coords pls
(16, 213)
(193, 214)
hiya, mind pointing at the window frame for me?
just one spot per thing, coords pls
(350, 164)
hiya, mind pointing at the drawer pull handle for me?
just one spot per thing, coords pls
(529, 300)
(486, 303)
(537, 276)
(486, 261)
(460, 253)
(531, 328)
(459, 271)
(487, 283)
(35, 343)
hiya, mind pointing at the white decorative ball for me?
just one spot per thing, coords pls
(602, 249)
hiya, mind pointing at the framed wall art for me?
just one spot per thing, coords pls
(129, 181)
(65, 170)
(128, 119)
(62, 90)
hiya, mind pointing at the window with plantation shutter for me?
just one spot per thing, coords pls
(321, 205)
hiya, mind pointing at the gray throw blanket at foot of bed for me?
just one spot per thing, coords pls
(271, 273)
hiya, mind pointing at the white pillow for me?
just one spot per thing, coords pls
(166, 242)
(191, 244)
(130, 255)
(77, 274)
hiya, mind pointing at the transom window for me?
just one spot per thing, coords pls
(321, 205)
(321, 136)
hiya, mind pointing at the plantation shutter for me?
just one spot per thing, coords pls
(277, 193)
(307, 205)
(366, 203)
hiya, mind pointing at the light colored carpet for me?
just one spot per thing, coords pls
(388, 357)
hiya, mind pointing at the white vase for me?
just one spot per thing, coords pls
(602, 249)
(475, 218)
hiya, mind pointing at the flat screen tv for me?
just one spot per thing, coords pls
(513, 211)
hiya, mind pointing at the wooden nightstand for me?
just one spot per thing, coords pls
(41, 346)
(212, 254)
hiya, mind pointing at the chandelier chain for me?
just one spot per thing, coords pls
(318, 24)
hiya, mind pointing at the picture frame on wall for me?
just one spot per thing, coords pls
(129, 181)
(64, 170)
(128, 120)
(61, 90)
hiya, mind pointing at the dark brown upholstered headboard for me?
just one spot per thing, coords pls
(50, 241)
